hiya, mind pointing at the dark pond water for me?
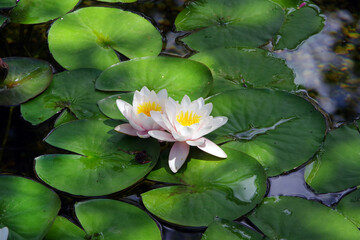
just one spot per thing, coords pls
(328, 65)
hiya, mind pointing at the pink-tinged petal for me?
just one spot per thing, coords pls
(145, 122)
(124, 108)
(212, 149)
(143, 134)
(161, 135)
(127, 129)
(159, 119)
(135, 123)
(302, 5)
(196, 142)
(178, 155)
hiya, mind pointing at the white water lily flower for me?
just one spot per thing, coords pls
(186, 124)
(138, 114)
(4, 232)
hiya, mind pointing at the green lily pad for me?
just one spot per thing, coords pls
(209, 187)
(279, 129)
(72, 92)
(248, 67)
(350, 207)
(7, 3)
(288, 3)
(64, 229)
(178, 76)
(299, 25)
(2, 20)
(110, 219)
(298, 219)
(27, 208)
(38, 11)
(228, 230)
(85, 39)
(232, 23)
(26, 78)
(338, 164)
(109, 108)
(115, 1)
(107, 162)
(64, 117)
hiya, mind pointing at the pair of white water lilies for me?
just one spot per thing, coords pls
(159, 116)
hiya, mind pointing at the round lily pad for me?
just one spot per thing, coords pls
(27, 208)
(64, 229)
(106, 161)
(350, 207)
(108, 105)
(178, 76)
(337, 166)
(71, 91)
(26, 78)
(228, 230)
(248, 67)
(87, 39)
(232, 23)
(110, 219)
(279, 129)
(298, 219)
(207, 187)
(7, 3)
(298, 26)
(38, 11)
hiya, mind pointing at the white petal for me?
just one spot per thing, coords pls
(137, 99)
(135, 122)
(145, 122)
(162, 94)
(145, 90)
(4, 232)
(126, 129)
(197, 142)
(158, 118)
(170, 109)
(161, 135)
(218, 122)
(212, 148)
(178, 155)
(124, 108)
(143, 134)
(185, 102)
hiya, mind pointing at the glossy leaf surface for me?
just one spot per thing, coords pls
(178, 76)
(350, 207)
(64, 229)
(86, 39)
(106, 161)
(279, 129)
(248, 67)
(70, 91)
(231, 23)
(27, 208)
(209, 187)
(7, 3)
(26, 78)
(298, 219)
(338, 164)
(38, 11)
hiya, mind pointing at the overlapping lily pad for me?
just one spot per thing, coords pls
(88, 37)
(109, 108)
(64, 229)
(2, 20)
(178, 76)
(298, 219)
(338, 164)
(72, 92)
(279, 129)
(248, 67)
(350, 207)
(26, 78)
(27, 208)
(7, 3)
(208, 187)
(232, 23)
(299, 25)
(228, 230)
(106, 161)
(38, 11)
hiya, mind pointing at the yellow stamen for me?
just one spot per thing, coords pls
(188, 119)
(146, 107)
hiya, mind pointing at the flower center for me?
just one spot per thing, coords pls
(187, 119)
(147, 107)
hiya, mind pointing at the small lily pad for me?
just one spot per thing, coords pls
(86, 39)
(299, 25)
(298, 219)
(231, 23)
(27, 208)
(248, 67)
(178, 76)
(71, 91)
(110, 219)
(350, 207)
(109, 108)
(337, 166)
(209, 187)
(64, 229)
(38, 11)
(279, 129)
(106, 161)
(26, 78)
(7, 3)
(228, 230)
